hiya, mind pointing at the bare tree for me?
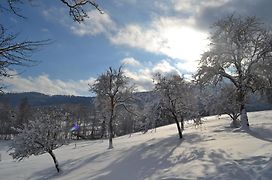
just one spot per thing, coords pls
(175, 98)
(113, 91)
(240, 51)
(151, 113)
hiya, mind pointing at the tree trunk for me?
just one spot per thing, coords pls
(244, 118)
(235, 123)
(110, 122)
(243, 113)
(179, 129)
(110, 134)
(182, 123)
(55, 160)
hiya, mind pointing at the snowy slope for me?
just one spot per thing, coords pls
(212, 151)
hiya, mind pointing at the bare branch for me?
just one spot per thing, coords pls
(76, 8)
(14, 53)
(13, 8)
(128, 110)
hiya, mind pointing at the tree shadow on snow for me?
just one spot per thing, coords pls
(137, 162)
(143, 161)
(159, 156)
(261, 133)
(67, 167)
(227, 168)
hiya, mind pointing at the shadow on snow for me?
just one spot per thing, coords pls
(157, 157)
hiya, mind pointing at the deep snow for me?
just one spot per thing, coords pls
(212, 151)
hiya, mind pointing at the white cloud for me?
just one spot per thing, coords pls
(119, 3)
(136, 36)
(142, 76)
(185, 5)
(194, 6)
(96, 24)
(164, 67)
(187, 67)
(173, 37)
(55, 14)
(45, 30)
(44, 84)
(130, 61)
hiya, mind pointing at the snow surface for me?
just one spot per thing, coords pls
(212, 151)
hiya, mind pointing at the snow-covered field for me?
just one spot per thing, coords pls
(212, 151)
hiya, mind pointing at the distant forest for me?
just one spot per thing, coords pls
(17, 109)
(39, 99)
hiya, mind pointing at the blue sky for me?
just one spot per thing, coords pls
(148, 36)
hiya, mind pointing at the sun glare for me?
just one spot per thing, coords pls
(187, 44)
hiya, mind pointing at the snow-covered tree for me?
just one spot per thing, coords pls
(176, 99)
(224, 102)
(151, 114)
(113, 91)
(125, 121)
(41, 135)
(240, 51)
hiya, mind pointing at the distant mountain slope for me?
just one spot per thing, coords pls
(142, 99)
(38, 99)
